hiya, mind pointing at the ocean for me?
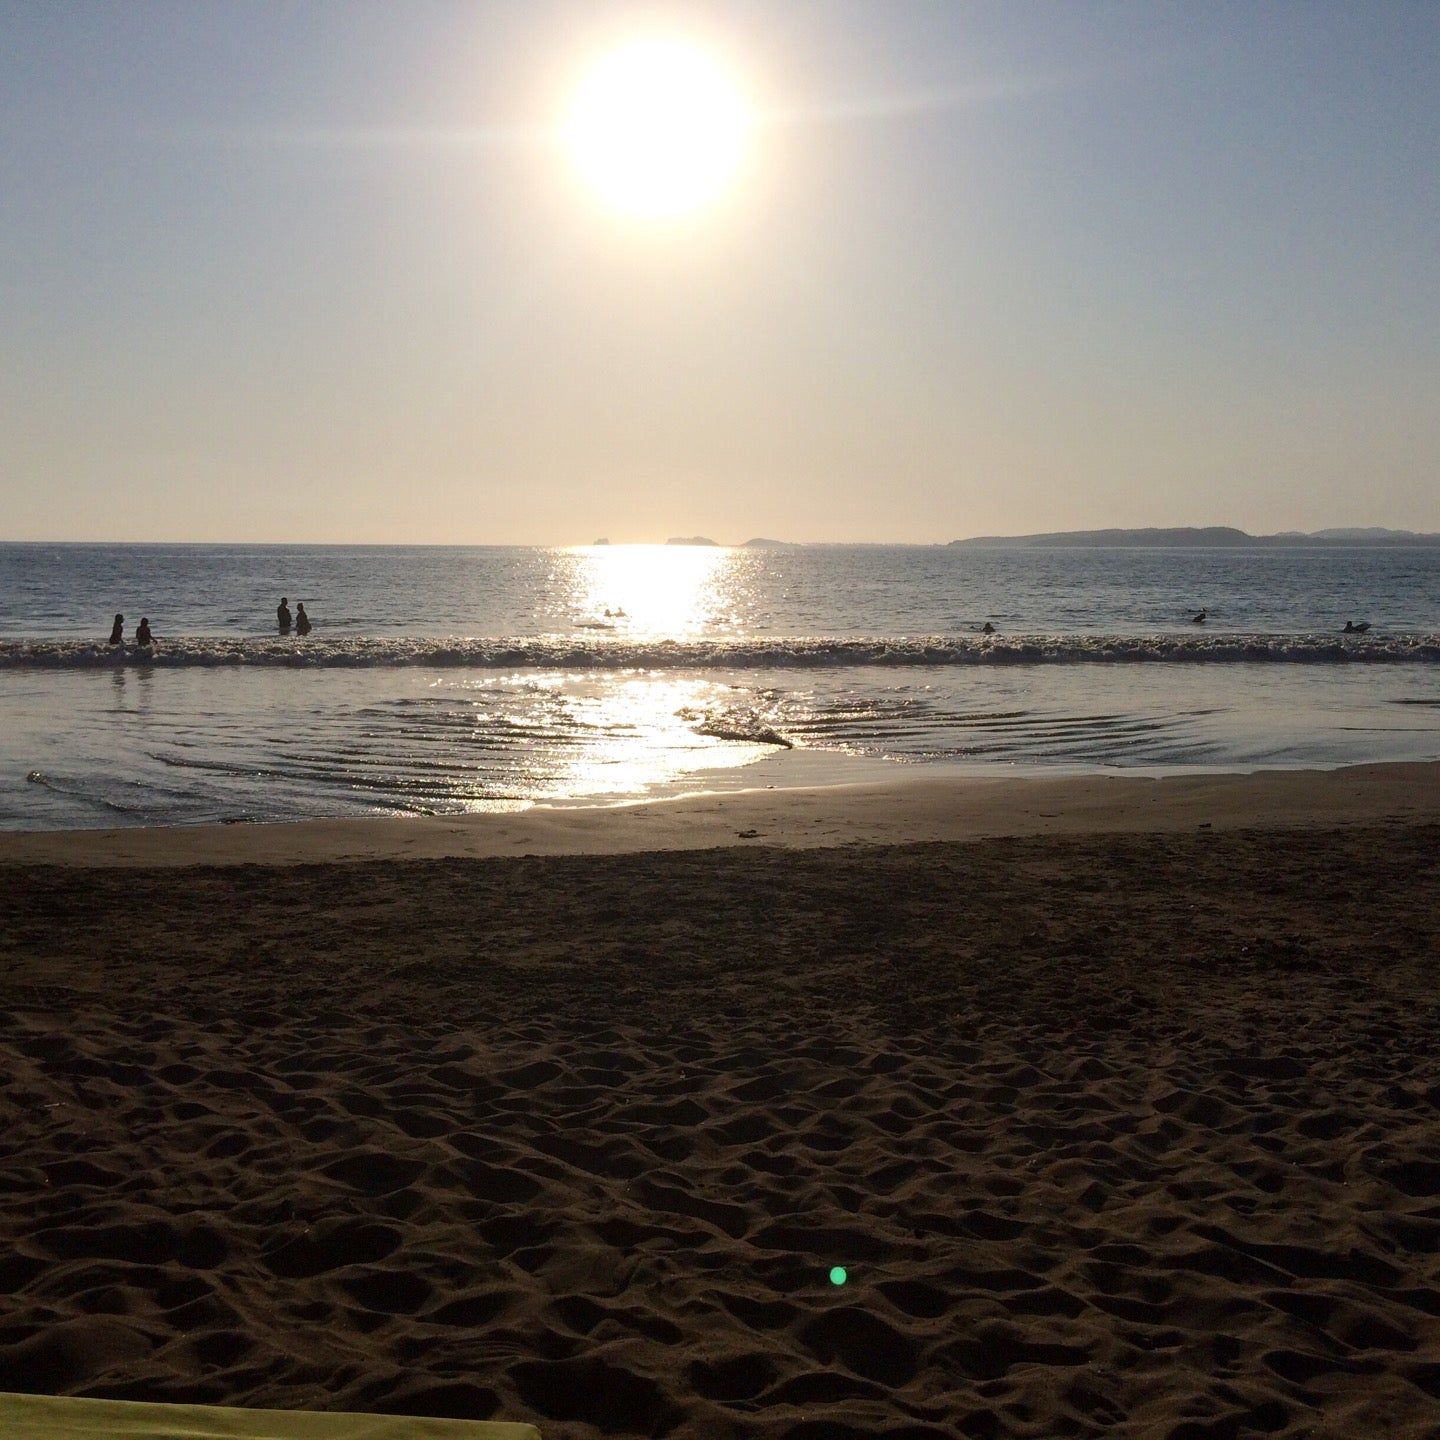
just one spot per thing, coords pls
(457, 679)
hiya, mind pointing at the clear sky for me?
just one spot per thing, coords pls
(322, 272)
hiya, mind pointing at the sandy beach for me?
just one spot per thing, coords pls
(1117, 1100)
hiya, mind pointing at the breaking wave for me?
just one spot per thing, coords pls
(589, 653)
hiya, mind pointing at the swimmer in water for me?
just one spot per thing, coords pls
(302, 620)
(282, 615)
(142, 632)
(117, 632)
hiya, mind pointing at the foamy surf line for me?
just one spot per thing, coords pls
(550, 653)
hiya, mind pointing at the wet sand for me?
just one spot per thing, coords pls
(1122, 1135)
(906, 809)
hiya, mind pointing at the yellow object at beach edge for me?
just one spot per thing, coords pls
(57, 1417)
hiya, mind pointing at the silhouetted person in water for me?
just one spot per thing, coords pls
(302, 620)
(142, 632)
(987, 628)
(117, 633)
(282, 615)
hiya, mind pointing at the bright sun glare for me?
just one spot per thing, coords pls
(657, 129)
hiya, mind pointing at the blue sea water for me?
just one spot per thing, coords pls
(456, 679)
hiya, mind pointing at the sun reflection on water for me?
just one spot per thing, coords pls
(671, 591)
(649, 739)
(610, 734)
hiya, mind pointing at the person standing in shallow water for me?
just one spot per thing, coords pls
(302, 620)
(117, 631)
(282, 615)
(142, 632)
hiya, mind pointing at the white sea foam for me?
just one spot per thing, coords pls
(589, 653)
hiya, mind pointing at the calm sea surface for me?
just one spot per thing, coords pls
(440, 680)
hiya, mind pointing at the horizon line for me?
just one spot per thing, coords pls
(705, 543)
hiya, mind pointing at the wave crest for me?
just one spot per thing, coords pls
(589, 653)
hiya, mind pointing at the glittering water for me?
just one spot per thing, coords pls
(449, 680)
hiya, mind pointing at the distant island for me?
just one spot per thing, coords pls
(1207, 537)
(1175, 537)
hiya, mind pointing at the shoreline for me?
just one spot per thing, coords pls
(911, 810)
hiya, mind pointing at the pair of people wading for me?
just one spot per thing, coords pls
(142, 632)
(282, 617)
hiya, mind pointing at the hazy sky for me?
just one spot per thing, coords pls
(304, 271)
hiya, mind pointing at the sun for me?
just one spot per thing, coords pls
(657, 129)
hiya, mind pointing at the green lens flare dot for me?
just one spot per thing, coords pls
(838, 1275)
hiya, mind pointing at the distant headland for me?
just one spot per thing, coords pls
(1205, 537)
